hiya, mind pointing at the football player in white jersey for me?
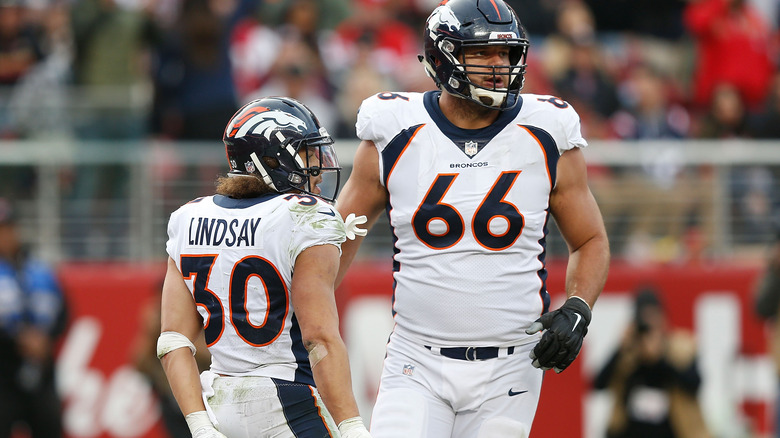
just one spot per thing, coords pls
(469, 176)
(252, 268)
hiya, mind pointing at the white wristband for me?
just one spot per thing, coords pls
(353, 428)
(198, 420)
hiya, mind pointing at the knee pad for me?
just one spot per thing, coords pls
(502, 427)
(399, 413)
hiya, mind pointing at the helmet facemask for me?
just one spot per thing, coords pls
(308, 165)
(460, 84)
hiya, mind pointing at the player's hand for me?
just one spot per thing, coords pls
(351, 223)
(562, 341)
(353, 428)
(201, 426)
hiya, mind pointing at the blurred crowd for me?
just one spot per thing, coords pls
(634, 70)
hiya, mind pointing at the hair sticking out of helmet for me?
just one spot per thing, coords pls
(280, 140)
(459, 24)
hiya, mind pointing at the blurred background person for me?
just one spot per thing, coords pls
(732, 46)
(580, 72)
(766, 122)
(653, 378)
(20, 50)
(728, 118)
(663, 183)
(298, 74)
(32, 319)
(192, 72)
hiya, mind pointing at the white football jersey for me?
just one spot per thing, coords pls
(469, 212)
(237, 257)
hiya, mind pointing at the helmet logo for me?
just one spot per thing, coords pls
(443, 16)
(237, 123)
(250, 166)
(265, 122)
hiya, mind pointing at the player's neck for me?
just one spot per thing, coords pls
(466, 114)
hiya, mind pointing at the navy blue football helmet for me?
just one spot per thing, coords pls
(281, 140)
(456, 24)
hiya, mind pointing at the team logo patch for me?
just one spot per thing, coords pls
(471, 148)
(408, 369)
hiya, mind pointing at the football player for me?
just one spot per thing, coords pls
(469, 176)
(252, 269)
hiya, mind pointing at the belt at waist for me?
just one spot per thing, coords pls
(472, 353)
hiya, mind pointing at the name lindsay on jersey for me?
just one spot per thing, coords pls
(206, 231)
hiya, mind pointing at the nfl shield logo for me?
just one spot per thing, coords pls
(250, 166)
(471, 148)
(408, 369)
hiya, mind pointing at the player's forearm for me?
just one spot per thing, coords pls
(334, 381)
(587, 269)
(183, 376)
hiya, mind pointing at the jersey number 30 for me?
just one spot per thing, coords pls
(277, 298)
(493, 206)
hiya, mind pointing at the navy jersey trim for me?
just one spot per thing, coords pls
(550, 150)
(303, 372)
(542, 273)
(396, 263)
(227, 202)
(459, 135)
(301, 410)
(392, 152)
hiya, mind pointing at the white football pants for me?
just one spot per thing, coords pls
(426, 395)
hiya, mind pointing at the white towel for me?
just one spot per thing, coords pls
(207, 390)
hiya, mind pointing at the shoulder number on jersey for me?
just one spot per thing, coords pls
(302, 199)
(391, 96)
(555, 101)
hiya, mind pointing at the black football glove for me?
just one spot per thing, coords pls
(561, 343)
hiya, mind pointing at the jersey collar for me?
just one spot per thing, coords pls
(227, 202)
(456, 134)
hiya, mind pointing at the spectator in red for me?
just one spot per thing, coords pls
(733, 43)
(394, 44)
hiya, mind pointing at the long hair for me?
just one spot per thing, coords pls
(242, 187)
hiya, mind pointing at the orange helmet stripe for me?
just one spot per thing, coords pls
(239, 123)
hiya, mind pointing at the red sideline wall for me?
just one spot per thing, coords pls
(105, 398)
